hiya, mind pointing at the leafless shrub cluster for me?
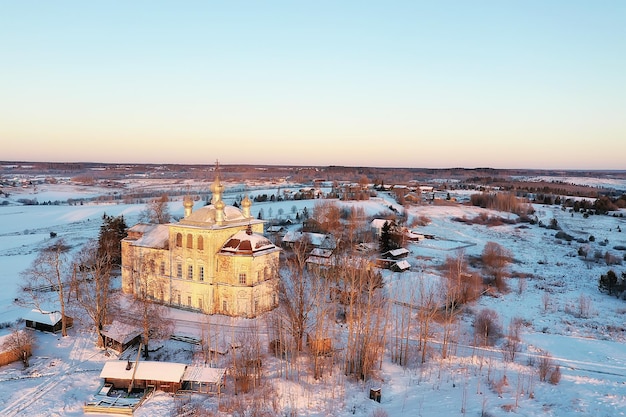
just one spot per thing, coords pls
(487, 327)
(547, 369)
(508, 202)
(495, 259)
(579, 308)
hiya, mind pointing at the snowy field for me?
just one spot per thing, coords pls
(472, 381)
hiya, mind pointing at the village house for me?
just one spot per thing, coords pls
(214, 260)
(376, 226)
(315, 240)
(165, 376)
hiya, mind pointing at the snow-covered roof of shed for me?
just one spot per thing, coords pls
(397, 252)
(245, 242)
(322, 253)
(44, 317)
(204, 374)
(316, 239)
(121, 332)
(403, 265)
(148, 370)
(379, 223)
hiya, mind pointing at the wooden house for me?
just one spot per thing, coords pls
(46, 321)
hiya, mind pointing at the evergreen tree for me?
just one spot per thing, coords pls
(112, 231)
(389, 238)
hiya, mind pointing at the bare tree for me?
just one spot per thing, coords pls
(487, 327)
(45, 280)
(495, 260)
(20, 344)
(295, 295)
(365, 317)
(91, 285)
(144, 311)
(157, 211)
(247, 361)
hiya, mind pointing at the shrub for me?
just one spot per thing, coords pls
(487, 327)
(555, 376)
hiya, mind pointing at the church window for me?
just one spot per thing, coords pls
(201, 273)
(189, 241)
(179, 270)
(162, 268)
(200, 243)
(190, 272)
(179, 240)
(242, 278)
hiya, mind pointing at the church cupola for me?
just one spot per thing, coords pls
(245, 207)
(219, 212)
(188, 205)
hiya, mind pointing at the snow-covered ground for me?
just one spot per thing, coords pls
(472, 381)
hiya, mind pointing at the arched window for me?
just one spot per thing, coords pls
(200, 243)
(189, 241)
(179, 240)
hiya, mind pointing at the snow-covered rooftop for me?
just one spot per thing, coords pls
(246, 242)
(204, 374)
(44, 317)
(148, 370)
(121, 332)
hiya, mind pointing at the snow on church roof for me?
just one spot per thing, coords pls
(205, 216)
(246, 242)
(155, 236)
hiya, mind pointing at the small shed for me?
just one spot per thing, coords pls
(46, 321)
(120, 336)
(396, 253)
(401, 266)
(164, 376)
(203, 379)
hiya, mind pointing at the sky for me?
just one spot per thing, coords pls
(501, 84)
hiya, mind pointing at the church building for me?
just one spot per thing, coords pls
(214, 260)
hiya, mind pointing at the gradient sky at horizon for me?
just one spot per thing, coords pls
(502, 84)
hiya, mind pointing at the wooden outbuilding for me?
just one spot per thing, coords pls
(46, 321)
(120, 336)
(164, 376)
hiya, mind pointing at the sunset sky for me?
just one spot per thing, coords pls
(502, 84)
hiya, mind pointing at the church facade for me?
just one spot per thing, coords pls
(214, 260)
